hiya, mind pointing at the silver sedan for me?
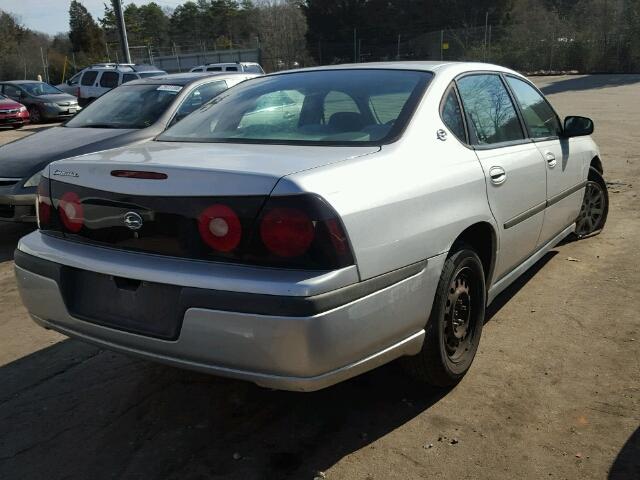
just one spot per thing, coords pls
(308, 226)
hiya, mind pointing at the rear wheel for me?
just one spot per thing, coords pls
(17, 126)
(595, 206)
(454, 328)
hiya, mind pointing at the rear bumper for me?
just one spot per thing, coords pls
(292, 342)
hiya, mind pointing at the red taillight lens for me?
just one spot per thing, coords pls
(300, 231)
(71, 212)
(287, 232)
(43, 204)
(220, 228)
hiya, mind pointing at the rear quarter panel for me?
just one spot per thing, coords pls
(408, 202)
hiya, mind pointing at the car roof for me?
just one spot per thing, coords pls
(427, 66)
(184, 78)
(21, 82)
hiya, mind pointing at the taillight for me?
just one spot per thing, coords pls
(301, 231)
(71, 212)
(220, 228)
(287, 232)
(43, 203)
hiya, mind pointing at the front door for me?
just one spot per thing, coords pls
(563, 164)
(514, 171)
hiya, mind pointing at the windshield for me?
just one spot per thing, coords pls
(332, 107)
(128, 106)
(39, 89)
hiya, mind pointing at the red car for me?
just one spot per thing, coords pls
(12, 113)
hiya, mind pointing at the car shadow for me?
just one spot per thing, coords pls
(627, 463)
(10, 233)
(589, 82)
(504, 297)
(75, 411)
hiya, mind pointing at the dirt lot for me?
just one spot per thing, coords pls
(554, 392)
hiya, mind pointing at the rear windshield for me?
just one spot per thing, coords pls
(326, 107)
(128, 106)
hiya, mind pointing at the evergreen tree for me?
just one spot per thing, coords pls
(84, 33)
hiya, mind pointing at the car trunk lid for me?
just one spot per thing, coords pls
(197, 169)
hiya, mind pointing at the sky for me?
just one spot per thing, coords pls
(52, 16)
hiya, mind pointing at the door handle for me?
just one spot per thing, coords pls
(497, 175)
(551, 159)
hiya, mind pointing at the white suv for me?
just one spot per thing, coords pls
(245, 67)
(98, 79)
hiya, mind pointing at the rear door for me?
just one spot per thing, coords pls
(564, 165)
(107, 80)
(87, 84)
(514, 172)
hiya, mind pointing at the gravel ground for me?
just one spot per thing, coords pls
(554, 391)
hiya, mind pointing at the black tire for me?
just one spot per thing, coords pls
(17, 126)
(34, 114)
(438, 363)
(595, 206)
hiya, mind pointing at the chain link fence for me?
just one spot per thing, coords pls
(514, 47)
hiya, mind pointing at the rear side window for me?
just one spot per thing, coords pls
(452, 115)
(214, 69)
(109, 79)
(489, 108)
(231, 69)
(200, 96)
(127, 77)
(538, 115)
(88, 78)
(11, 91)
(196, 70)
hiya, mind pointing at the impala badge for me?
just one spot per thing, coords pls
(65, 173)
(441, 134)
(133, 221)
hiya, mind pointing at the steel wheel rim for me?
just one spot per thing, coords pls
(35, 115)
(591, 210)
(459, 322)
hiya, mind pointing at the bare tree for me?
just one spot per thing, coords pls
(282, 28)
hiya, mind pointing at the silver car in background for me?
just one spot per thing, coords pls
(311, 225)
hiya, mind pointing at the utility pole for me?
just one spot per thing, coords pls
(398, 52)
(486, 23)
(122, 30)
(355, 46)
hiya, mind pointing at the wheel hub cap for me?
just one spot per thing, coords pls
(457, 319)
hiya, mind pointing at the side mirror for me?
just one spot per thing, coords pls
(577, 126)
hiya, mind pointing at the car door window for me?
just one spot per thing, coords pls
(231, 69)
(214, 69)
(199, 96)
(492, 115)
(11, 91)
(452, 115)
(539, 117)
(109, 79)
(74, 80)
(128, 77)
(88, 78)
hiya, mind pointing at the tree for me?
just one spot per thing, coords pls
(282, 28)
(84, 33)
